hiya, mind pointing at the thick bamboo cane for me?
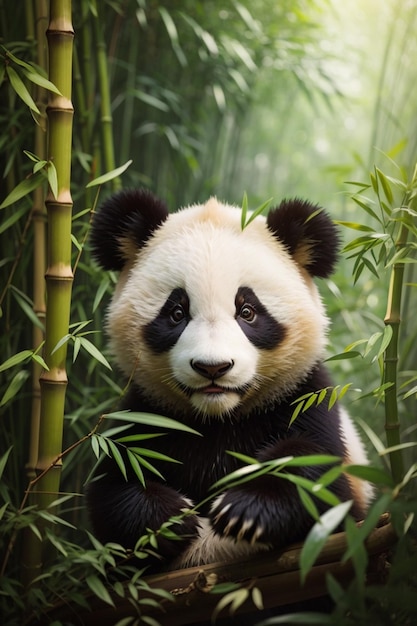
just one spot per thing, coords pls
(59, 273)
(39, 264)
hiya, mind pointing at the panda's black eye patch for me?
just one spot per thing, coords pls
(259, 326)
(165, 329)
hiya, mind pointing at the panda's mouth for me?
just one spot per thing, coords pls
(213, 388)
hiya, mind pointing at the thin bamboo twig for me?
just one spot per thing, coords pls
(34, 482)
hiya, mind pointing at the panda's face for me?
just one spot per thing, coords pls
(214, 318)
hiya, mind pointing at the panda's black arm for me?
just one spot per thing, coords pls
(268, 508)
(121, 510)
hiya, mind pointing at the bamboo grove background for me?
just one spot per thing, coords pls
(275, 99)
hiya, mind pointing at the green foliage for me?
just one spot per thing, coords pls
(204, 98)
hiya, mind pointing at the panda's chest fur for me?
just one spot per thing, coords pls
(206, 458)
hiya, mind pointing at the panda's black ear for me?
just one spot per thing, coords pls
(309, 234)
(123, 224)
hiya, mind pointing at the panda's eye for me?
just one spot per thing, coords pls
(247, 313)
(177, 314)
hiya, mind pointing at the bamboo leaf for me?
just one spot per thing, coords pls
(308, 403)
(359, 555)
(319, 534)
(16, 60)
(257, 598)
(151, 419)
(241, 473)
(12, 219)
(152, 454)
(329, 477)
(386, 339)
(244, 210)
(23, 188)
(3, 509)
(16, 359)
(385, 185)
(138, 437)
(355, 226)
(248, 460)
(234, 598)
(109, 175)
(40, 80)
(102, 288)
(374, 475)
(4, 459)
(95, 352)
(349, 354)
(95, 445)
(135, 465)
(302, 618)
(26, 305)
(308, 503)
(173, 35)
(258, 211)
(314, 487)
(296, 412)
(117, 457)
(374, 513)
(310, 459)
(99, 590)
(40, 361)
(154, 102)
(14, 387)
(144, 463)
(20, 88)
(52, 178)
(333, 397)
(103, 443)
(372, 436)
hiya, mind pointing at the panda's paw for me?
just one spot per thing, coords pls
(241, 515)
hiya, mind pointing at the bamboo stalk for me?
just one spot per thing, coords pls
(105, 103)
(39, 237)
(30, 557)
(59, 273)
(393, 319)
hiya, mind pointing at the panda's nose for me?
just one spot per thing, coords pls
(212, 370)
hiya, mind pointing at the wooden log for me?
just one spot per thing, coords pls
(276, 574)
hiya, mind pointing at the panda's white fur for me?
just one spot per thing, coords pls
(198, 299)
(204, 250)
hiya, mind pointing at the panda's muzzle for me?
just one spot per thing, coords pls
(212, 371)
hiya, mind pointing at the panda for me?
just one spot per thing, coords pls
(219, 326)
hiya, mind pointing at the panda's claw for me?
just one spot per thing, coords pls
(247, 524)
(229, 526)
(222, 512)
(259, 531)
